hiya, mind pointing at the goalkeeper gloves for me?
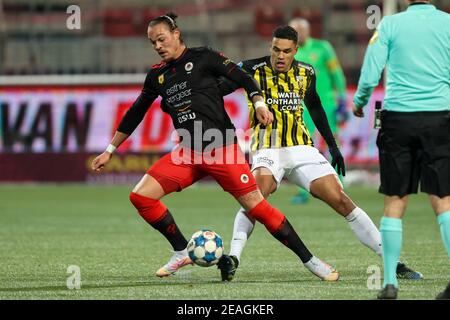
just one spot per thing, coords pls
(341, 111)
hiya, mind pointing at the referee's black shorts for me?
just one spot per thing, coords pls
(414, 147)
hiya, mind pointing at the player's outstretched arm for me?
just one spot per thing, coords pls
(224, 67)
(100, 161)
(319, 117)
(221, 66)
(227, 86)
(129, 122)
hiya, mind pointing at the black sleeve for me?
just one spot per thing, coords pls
(222, 66)
(318, 115)
(226, 86)
(136, 113)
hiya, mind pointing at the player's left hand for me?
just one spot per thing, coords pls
(337, 161)
(264, 116)
(357, 112)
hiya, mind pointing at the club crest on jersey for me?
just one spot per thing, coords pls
(299, 79)
(226, 62)
(188, 66)
(161, 79)
(244, 178)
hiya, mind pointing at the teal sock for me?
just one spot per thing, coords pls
(444, 225)
(391, 244)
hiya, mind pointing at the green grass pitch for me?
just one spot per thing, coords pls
(46, 228)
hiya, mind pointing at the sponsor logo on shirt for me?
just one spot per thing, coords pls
(186, 117)
(178, 92)
(256, 66)
(286, 101)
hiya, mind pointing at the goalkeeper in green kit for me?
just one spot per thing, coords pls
(330, 83)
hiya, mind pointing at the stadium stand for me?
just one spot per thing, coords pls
(112, 37)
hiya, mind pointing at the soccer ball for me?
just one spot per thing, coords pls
(205, 248)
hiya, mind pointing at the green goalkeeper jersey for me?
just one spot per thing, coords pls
(330, 78)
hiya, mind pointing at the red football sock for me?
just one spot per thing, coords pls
(269, 216)
(150, 209)
(157, 215)
(280, 228)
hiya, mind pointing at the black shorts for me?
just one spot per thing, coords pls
(414, 147)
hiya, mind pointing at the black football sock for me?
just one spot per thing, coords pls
(287, 236)
(170, 230)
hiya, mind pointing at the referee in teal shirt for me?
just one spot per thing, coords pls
(414, 139)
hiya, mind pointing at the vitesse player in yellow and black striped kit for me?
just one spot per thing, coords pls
(284, 94)
(284, 148)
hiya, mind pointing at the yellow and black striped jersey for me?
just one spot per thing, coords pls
(284, 94)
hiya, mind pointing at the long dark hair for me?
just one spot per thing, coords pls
(169, 19)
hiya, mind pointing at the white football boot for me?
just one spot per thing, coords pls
(178, 260)
(322, 270)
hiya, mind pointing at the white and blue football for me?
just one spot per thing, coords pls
(205, 248)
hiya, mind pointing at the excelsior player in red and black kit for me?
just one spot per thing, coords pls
(186, 80)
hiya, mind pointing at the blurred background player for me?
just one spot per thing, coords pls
(284, 148)
(414, 140)
(186, 79)
(330, 85)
